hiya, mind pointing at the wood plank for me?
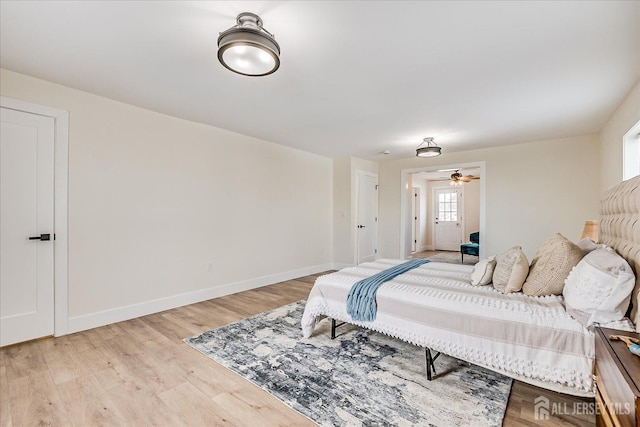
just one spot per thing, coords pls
(110, 331)
(34, 401)
(5, 401)
(23, 360)
(193, 407)
(520, 409)
(139, 331)
(88, 404)
(63, 361)
(142, 407)
(265, 410)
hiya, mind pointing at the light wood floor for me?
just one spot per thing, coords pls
(468, 259)
(139, 372)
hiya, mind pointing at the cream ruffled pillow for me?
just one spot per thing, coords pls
(551, 266)
(483, 272)
(599, 288)
(511, 270)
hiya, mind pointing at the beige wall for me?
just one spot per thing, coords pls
(532, 191)
(611, 146)
(343, 232)
(153, 200)
(471, 208)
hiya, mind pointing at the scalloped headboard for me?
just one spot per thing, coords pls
(620, 229)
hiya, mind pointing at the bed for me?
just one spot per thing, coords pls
(531, 339)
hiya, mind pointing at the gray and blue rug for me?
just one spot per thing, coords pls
(360, 378)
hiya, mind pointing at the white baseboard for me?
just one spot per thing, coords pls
(340, 266)
(107, 317)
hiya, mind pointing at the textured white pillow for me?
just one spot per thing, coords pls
(483, 272)
(551, 266)
(511, 270)
(599, 288)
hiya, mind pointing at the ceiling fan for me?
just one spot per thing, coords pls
(458, 179)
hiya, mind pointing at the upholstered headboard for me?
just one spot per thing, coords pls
(620, 229)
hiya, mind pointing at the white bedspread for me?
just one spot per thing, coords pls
(532, 339)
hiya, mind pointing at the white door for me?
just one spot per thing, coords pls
(448, 219)
(415, 222)
(367, 227)
(26, 211)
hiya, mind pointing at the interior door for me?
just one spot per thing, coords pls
(367, 227)
(448, 219)
(26, 226)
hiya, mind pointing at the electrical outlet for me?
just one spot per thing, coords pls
(210, 267)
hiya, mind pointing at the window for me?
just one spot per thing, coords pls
(631, 153)
(448, 206)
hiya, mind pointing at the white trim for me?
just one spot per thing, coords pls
(404, 185)
(340, 265)
(107, 317)
(61, 177)
(631, 153)
(417, 234)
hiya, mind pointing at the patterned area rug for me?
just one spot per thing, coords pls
(360, 378)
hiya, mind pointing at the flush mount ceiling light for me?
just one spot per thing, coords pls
(247, 48)
(429, 150)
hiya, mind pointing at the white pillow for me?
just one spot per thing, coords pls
(483, 272)
(587, 245)
(599, 288)
(511, 270)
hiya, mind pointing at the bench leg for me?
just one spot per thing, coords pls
(334, 326)
(430, 359)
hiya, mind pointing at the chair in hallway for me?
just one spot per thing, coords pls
(472, 248)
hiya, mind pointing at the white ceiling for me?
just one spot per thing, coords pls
(357, 78)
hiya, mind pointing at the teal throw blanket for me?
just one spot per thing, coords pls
(361, 301)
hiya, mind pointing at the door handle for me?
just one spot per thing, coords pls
(361, 226)
(41, 237)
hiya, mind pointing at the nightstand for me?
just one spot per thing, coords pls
(618, 381)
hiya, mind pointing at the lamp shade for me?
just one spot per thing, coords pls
(429, 150)
(590, 230)
(247, 48)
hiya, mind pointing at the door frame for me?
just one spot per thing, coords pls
(354, 224)
(434, 205)
(415, 222)
(405, 188)
(60, 208)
